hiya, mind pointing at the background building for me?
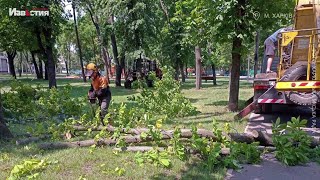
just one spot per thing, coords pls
(4, 66)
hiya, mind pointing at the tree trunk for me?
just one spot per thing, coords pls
(66, 63)
(78, 43)
(5, 133)
(103, 48)
(214, 74)
(11, 55)
(46, 50)
(28, 70)
(176, 67)
(183, 76)
(198, 67)
(122, 63)
(20, 65)
(46, 77)
(51, 68)
(186, 70)
(235, 75)
(135, 137)
(94, 50)
(105, 54)
(115, 55)
(236, 58)
(68, 59)
(166, 135)
(40, 68)
(35, 65)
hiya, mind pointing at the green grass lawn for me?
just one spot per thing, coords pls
(211, 101)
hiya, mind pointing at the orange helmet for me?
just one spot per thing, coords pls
(90, 69)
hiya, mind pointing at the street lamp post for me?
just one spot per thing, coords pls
(78, 40)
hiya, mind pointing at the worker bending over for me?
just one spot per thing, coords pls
(270, 45)
(99, 89)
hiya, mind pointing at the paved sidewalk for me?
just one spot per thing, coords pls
(271, 169)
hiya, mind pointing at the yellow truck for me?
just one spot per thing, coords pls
(297, 81)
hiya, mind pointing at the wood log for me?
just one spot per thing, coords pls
(185, 133)
(259, 136)
(256, 136)
(263, 138)
(224, 151)
(111, 129)
(242, 137)
(315, 142)
(137, 149)
(30, 140)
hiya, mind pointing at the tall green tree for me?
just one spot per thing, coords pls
(197, 18)
(236, 22)
(43, 28)
(135, 26)
(65, 42)
(95, 10)
(90, 44)
(11, 39)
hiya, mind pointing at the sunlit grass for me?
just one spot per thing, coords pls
(211, 102)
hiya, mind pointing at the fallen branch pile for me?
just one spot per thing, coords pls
(133, 137)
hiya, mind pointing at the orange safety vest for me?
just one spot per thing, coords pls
(100, 82)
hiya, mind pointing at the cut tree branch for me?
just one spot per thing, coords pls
(166, 134)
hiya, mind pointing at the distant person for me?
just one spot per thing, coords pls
(270, 45)
(99, 89)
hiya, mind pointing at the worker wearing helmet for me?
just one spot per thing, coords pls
(99, 89)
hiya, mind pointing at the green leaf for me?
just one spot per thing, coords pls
(278, 121)
(143, 135)
(304, 122)
(165, 162)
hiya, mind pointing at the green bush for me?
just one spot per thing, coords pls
(291, 142)
(24, 102)
(165, 98)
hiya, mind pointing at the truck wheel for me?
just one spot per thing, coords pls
(263, 109)
(299, 72)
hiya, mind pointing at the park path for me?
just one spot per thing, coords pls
(270, 168)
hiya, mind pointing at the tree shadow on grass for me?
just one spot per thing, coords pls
(199, 118)
(194, 100)
(188, 86)
(241, 103)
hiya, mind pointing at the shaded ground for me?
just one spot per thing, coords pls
(270, 168)
(264, 122)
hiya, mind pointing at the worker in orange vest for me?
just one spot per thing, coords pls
(99, 89)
